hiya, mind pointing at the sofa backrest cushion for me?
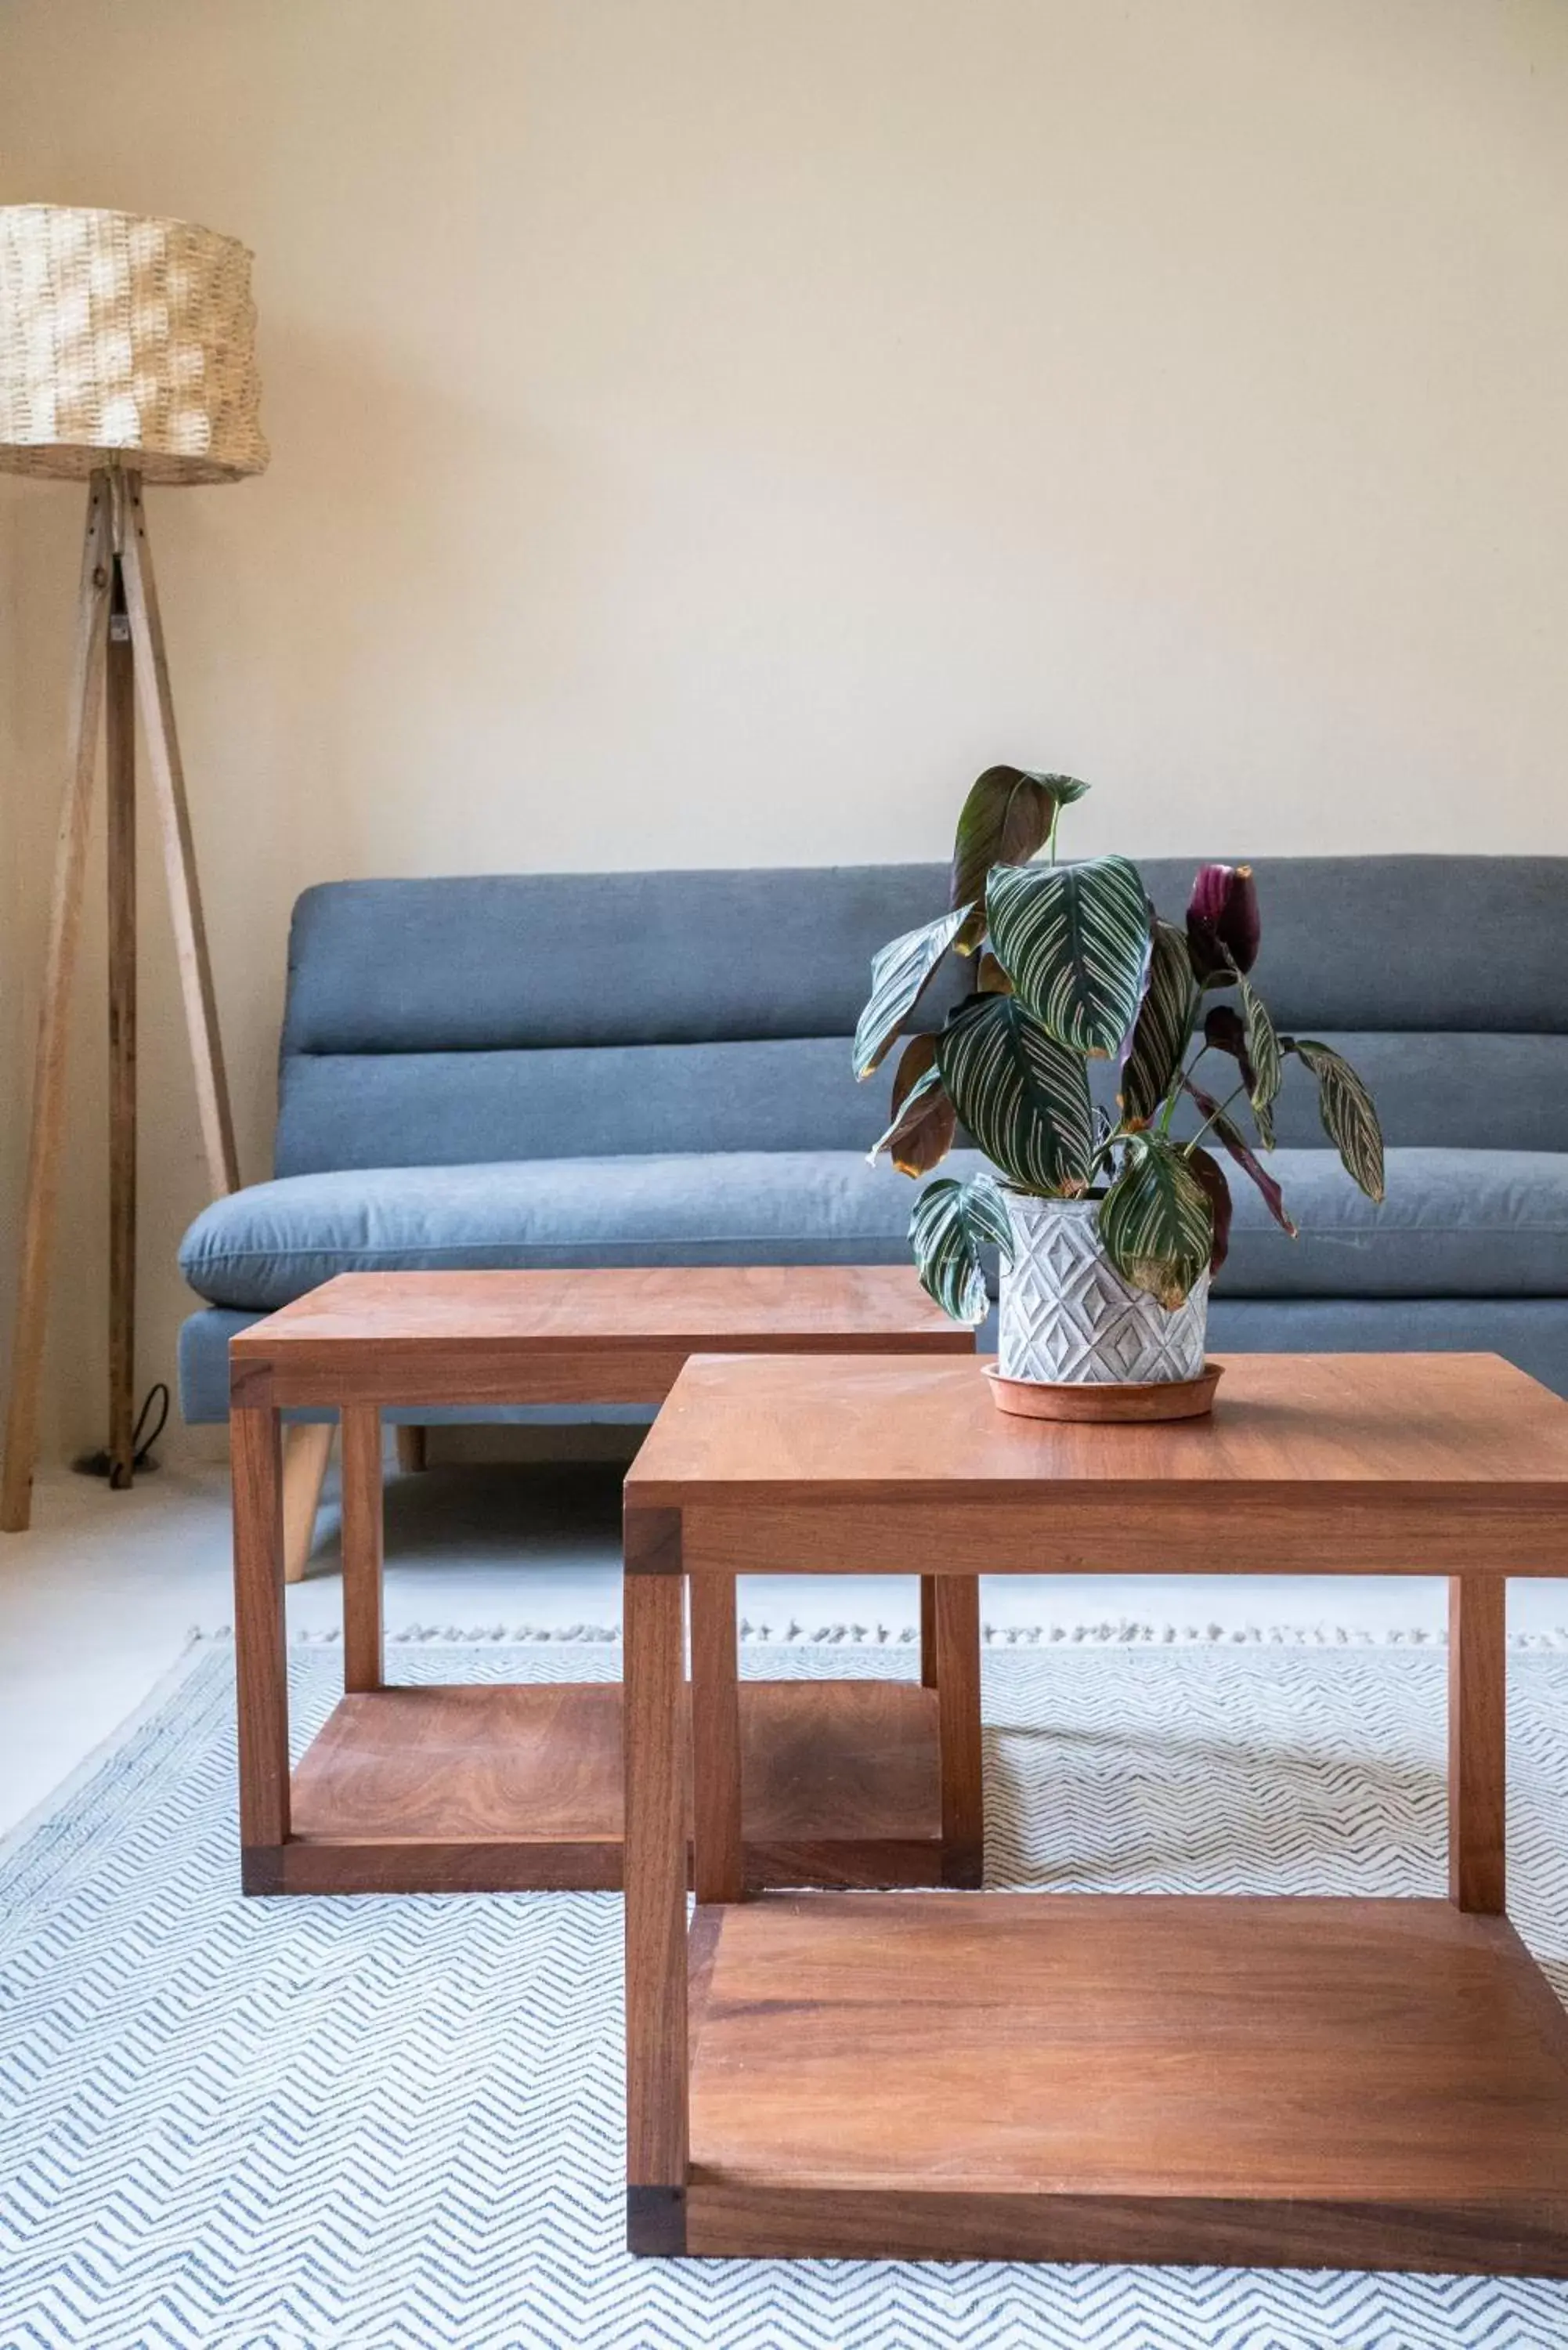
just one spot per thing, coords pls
(439, 1021)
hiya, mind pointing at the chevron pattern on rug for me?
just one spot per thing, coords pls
(385, 2124)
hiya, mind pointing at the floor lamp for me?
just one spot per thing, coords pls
(127, 358)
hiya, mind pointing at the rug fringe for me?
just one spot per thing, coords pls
(1122, 1632)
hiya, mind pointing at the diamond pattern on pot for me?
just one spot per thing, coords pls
(1068, 1315)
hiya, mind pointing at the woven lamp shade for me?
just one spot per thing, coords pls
(126, 337)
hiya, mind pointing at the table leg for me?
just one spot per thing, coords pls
(1477, 1742)
(261, 1661)
(655, 1860)
(928, 1631)
(718, 1851)
(956, 1627)
(363, 1660)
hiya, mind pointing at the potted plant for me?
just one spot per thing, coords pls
(1108, 1225)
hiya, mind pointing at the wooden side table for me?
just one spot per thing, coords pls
(492, 1789)
(1369, 2083)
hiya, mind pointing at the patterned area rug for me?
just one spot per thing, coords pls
(387, 2123)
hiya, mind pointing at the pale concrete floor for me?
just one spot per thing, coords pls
(98, 1599)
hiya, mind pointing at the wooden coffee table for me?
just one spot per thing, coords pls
(491, 1789)
(1377, 2083)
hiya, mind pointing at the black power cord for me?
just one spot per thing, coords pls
(101, 1464)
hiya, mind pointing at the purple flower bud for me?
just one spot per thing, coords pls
(1222, 925)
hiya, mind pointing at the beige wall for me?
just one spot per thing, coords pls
(710, 430)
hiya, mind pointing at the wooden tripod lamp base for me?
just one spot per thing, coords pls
(120, 664)
(127, 355)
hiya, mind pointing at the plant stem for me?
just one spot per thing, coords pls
(1175, 1094)
(1190, 1147)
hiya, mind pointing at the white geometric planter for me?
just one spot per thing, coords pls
(1067, 1317)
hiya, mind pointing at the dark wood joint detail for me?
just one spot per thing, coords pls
(651, 1541)
(656, 2221)
(249, 1383)
(261, 1868)
(964, 1867)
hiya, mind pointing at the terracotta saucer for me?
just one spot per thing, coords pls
(1106, 1400)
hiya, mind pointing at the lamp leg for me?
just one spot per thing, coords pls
(179, 848)
(119, 772)
(47, 1130)
(306, 1450)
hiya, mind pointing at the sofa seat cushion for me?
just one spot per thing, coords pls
(1456, 1223)
(263, 1246)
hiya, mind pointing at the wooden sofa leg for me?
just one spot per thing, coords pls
(306, 1450)
(411, 1454)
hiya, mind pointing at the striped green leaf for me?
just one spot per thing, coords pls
(1074, 942)
(953, 1223)
(899, 973)
(1163, 1027)
(1266, 1072)
(985, 1212)
(924, 1120)
(1006, 819)
(1348, 1114)
(1023, 1098)
(1155, 1222)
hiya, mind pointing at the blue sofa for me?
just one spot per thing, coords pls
(654, 1069)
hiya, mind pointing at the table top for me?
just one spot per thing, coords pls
(768, 1429)
(697, 1308)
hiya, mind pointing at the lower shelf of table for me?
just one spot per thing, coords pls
(490, 1788)
(1350, 2084)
